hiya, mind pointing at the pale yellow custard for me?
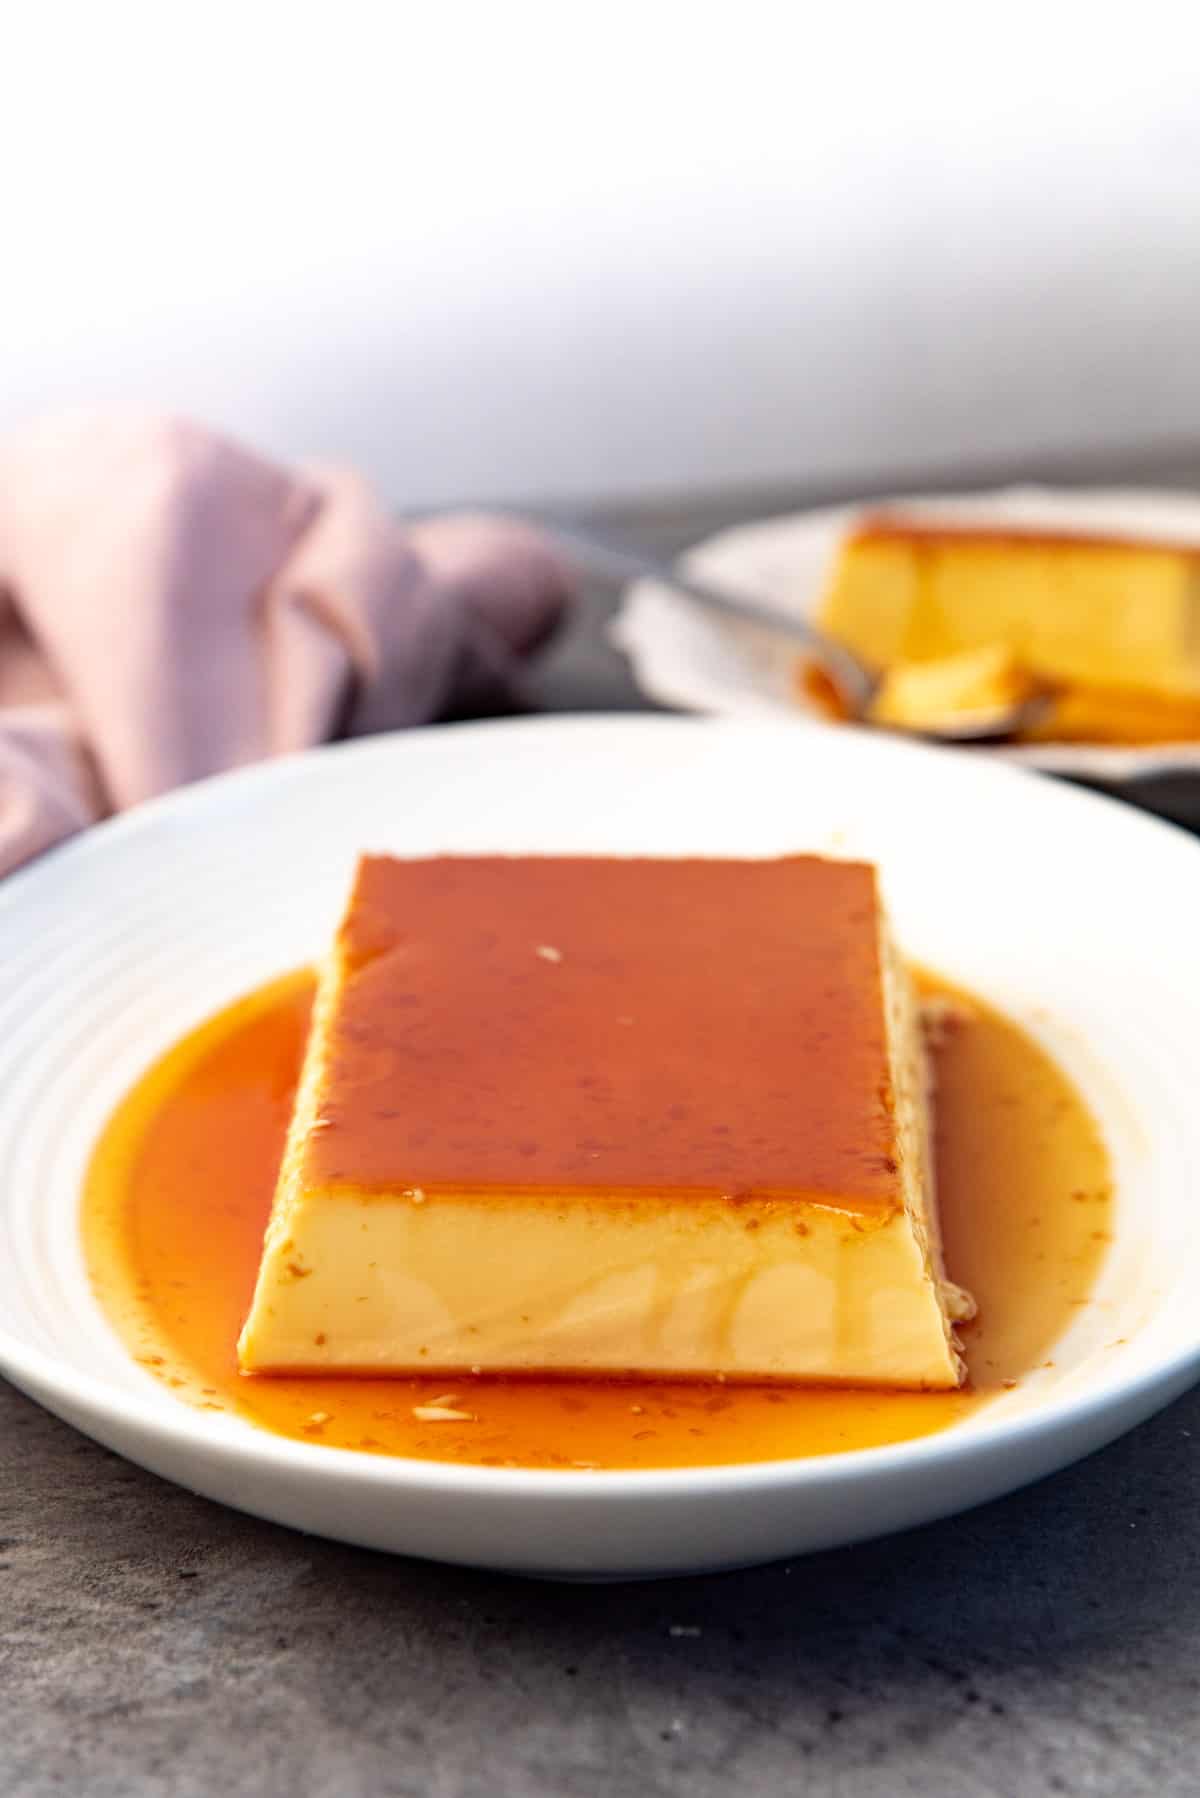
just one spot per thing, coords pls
(601, 1116)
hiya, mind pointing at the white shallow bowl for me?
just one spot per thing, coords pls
(1074, 914)
(684, 656)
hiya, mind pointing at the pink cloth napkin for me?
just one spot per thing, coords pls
(172, 605)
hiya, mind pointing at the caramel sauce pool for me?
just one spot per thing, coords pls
(180, 1188)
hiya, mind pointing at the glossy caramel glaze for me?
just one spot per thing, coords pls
(611, 1027)
(181, 1185)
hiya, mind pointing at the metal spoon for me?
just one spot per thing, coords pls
(855, 682)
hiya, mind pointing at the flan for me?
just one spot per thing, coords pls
(1113, 625)
(971, 687)
(598, 1117)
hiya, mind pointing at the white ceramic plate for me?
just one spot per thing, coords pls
(1076, 915)
(686, 657)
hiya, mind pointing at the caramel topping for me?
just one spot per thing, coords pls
(611, 1026)
(880, 527)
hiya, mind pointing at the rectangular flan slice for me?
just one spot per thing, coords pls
(597, 1116)
(1088, 612)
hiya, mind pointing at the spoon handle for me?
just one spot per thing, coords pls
(594, 554)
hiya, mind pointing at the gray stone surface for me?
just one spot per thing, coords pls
(153, 1643)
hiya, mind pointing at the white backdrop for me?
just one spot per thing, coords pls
(521, 250)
